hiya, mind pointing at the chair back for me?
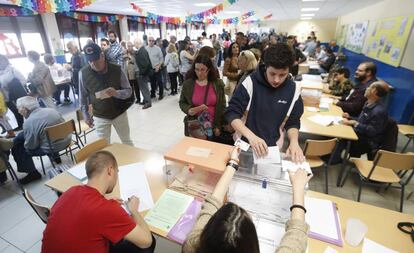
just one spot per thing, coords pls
(86, 151)
(60, 131)
(390, 139)
(79, 115)
(41, 210)
(319, 147)
(394, 161)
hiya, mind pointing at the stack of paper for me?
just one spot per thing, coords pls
(168, 210)
(325, 120)
(316, 78)
(133, 182)
(373, 247)
(323, 221)
(78, 171)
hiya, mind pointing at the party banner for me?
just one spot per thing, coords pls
(93, 17)
(55, 6)
(16, 12)
(355, 36)
(388, 39)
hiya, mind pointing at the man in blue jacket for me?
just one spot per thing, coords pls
(267, 96)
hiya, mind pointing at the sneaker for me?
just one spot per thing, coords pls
(146, 106)
(160, 98)
(32, 176)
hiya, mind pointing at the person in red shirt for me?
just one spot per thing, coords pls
(83, 220)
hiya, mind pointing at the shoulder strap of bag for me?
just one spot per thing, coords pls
(248, 85)
(206, 93)
(298, 89)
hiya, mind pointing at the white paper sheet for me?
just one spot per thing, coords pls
(374, 247)
(198, 152)
(272, 157)
(242, 144)
(133, 182)
(78, 171)
(316, 78)
(290, 166)
(320, 217)
(312, 109)
(325, 120)
(269, 234)
(326, 100)
(101, 94)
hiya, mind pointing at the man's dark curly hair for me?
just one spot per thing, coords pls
(278, 56)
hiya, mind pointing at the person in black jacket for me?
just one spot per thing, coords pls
(369, 126)
(145, 71)
(299, 56)
(273, 91)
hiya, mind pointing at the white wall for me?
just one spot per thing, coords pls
(324, 28)
(52, 33)
(384, 9)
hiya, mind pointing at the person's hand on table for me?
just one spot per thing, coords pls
(295, 153)
(111, 92)
(348, 122)
(345, 115)
(133, 204)
(258, 145)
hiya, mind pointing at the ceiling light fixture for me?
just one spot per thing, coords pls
(309, 9)
(307, 14)
(309, 18)
(313, 0)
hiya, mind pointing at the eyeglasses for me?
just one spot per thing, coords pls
(151, 40)
(201, 70)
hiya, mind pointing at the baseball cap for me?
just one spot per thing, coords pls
(92, 52)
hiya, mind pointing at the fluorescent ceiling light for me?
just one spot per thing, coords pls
(232, 12)
(306, 18)
(313, 0)
(307, 14)
(309, 9)
(208, 4)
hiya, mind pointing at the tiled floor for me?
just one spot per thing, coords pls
(156, 129)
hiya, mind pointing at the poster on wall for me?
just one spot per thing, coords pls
(342, 35)
(389, 38)
(355, 36)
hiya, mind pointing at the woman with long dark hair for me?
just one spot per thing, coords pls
(231, 69)
(228, 228)
(203, 93)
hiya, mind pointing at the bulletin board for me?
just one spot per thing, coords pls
(342, 35)
(355, 36)
(388, 39)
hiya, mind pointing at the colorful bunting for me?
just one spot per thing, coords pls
(199, 17)
(55, 6)
(268, 16)
(93, 17)
(256, 21)
(247, 15)
(16, 12)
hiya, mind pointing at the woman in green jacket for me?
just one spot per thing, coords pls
(203, 91)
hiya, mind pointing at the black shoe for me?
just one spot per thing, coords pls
(18, 129)
(152, 96)
(160, 98)
(146, 106)
(58, 160)
(141, 103)
(32, 176)
(3, 177)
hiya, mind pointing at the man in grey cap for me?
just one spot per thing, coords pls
(106, 87)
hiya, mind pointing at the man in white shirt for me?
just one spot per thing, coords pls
(61, 77)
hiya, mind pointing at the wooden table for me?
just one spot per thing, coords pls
(381, 222)
(382, 225)
(336, 131)
(153, 164)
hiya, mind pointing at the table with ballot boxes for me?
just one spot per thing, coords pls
(172, 188)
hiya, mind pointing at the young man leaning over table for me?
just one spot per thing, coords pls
(83, 220)
(269, 91)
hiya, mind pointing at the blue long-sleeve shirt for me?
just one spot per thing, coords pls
(268, 108)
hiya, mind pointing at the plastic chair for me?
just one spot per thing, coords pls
(313, 151)
(41, 210)
(86, 151)
(383, 171)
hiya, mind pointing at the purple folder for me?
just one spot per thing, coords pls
(184, 225)
(338, 242)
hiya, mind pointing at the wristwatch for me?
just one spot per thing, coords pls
(233, 164)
